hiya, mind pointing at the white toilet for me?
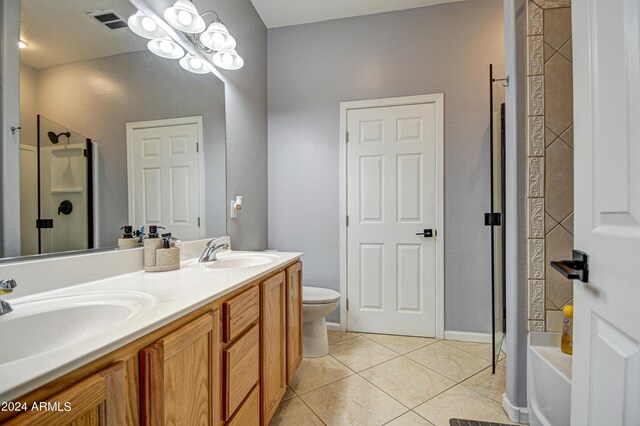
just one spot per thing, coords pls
(317, 303)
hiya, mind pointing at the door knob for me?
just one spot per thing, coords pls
(428, 233)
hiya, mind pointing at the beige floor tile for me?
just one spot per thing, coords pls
(316, 372)
(451, 362)
(400, 344)
(288, 394)
(339, 336)
(407, 381)
(294, 412)
(483, 350)
(409, 419)
(503, 362)
(353, 401)
(360, 353)
(463, 403)
(490, 385)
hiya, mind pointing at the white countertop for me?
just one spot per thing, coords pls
(170, 295)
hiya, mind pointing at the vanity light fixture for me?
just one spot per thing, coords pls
(228, 60)
(145, 26)
(214, 40)
(184, 16)
(193, 64)
(166, 48)
(23, 44)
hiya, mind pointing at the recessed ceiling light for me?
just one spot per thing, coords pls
(23, 44)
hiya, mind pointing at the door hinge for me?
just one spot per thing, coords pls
(198, 221)
(197, 147)
(347, 220)
(347, 139)
(347, 304)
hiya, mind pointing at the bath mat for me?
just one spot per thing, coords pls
(465, 422)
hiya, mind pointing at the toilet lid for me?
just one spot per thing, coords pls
(316, 295)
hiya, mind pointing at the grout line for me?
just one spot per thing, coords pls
(386, 393)
(466, 351)
(311, 409)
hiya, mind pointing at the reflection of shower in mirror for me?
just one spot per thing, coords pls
(56, 178)
(54, 138)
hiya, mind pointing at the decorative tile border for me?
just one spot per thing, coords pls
(535, 136)
(535, 177)
(536, 325)
(535, 216)
(535, 51)
(535, 88)
(536, 300)
(552, 4)
(536, 146)
(535, 19)
(535, 248)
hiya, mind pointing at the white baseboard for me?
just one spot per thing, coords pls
(467, 336)
(333, 326)
(515, 414)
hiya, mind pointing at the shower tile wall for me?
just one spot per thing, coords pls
(550, 160)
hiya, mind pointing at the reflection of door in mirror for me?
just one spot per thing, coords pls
(165, 166)
(56, 194)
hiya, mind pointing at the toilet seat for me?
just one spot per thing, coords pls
(318, 296)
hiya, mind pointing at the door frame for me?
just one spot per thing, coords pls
(438, 100)
(150, 124)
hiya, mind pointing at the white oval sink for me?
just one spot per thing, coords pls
(230, 260)
(43, 325)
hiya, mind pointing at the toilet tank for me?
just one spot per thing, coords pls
(548, 380)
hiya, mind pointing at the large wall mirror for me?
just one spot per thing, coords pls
(111, 135)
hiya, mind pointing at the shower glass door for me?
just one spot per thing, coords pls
(495, 219)
(64, 185)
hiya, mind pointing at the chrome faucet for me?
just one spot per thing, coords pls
(213, 248)
(6, 286)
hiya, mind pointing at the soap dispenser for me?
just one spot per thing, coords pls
(151, 244)
(127, 240)
(566, 342)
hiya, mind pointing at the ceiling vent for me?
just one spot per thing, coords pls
(109, 18)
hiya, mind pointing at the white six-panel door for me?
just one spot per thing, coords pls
(164, 181)
(392, 194)
(606, 353)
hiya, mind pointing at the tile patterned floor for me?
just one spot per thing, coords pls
(375, 379)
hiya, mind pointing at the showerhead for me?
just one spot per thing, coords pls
(53, 137)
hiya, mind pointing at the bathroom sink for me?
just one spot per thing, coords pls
(43, 325)
(230, 260)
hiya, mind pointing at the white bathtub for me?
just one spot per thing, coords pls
(548, 381)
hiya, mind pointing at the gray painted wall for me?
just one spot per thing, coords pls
(246, 107)
(445, 48)
(9, 117)
(97, 98)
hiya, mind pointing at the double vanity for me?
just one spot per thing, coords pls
(211, 343)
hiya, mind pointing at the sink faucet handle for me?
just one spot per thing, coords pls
(7, 286)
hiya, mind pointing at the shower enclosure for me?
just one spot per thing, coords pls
(56, 188)
(495, 218)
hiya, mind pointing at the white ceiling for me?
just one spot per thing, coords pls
(60, 32)
(282, 13)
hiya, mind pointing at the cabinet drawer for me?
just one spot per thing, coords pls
(241, 369)
(249, 413)
(239, 313)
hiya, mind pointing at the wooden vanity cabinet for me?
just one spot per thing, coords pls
(273, 339)
(180, 375)
(294, 319)
(227, 362)
(98, 400)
